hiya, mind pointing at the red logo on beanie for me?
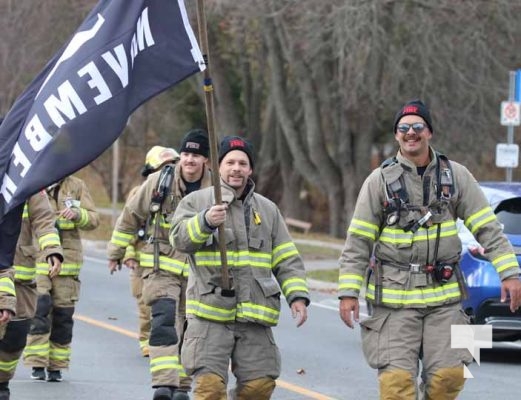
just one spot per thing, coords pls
(236, 143)
(410, 110)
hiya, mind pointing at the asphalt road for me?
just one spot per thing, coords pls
(321, 360)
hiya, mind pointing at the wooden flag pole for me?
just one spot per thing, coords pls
(208, 97)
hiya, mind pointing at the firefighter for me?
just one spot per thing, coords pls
(50, 336)
(38, 222)
(234, 320)
(164, 268)
(156, 158)
(404, 222)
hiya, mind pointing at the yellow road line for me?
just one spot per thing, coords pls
(280, 383)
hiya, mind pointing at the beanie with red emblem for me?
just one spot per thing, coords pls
(413, 107)
(230, 143)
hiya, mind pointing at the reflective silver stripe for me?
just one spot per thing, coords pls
(165, 362)
(194, 230)
(282, 252)
(165, 263)
(256, 312)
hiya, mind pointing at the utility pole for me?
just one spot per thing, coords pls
(507, 154)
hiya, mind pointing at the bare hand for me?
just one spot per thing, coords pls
(131, 263)
(70, 214)
(55, 266)
(299, 311)
(114, 265)
(5, 316)
(216, 215)
(348, 307)
(512, 287)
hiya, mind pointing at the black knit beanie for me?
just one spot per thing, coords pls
(230, 143)
(414, 107)
(195, 141)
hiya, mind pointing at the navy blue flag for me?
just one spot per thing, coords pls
(123, 53)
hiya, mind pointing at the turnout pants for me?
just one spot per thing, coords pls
(13, 334)
(164, 292)
(50, 336)
(395, 340)
(208, 348)
(144, 314)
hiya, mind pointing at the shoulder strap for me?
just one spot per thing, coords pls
(162, 189)
(445, 187)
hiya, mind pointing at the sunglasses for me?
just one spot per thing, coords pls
(417, 127)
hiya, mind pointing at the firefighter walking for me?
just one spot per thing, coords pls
(233, 321)
(405, 221)
(49, 341)
(38, 222)
(164, 268)
(155, 158)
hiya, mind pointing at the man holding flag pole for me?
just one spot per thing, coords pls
(123, 53)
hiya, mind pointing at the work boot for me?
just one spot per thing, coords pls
(54, 376)
(163, 393)
(180, 395)
(4, 391)
(5, 394)
(38, 374)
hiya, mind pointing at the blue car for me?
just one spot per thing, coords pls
(483, 304)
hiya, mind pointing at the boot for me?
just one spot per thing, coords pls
(163, 393)
(4, 391)
(180, 395)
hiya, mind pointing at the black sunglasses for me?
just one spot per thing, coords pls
(417, 127)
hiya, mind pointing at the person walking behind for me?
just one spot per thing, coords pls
(164, 267)
(50, 336)
(37, 234)
(235, 323)
(404, 227)
(155, 158)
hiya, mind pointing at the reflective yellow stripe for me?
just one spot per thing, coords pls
(65, 224)
(350, 281)
(146, 260)
(165, 362)
(212, 313)
(8, 366)
(7, 286)
(426, 296)
(480, 218)
(121, 239)
(363, 228)
(84, 218)
(48, 240)
(242, 258)
(37, 350)
(25, 212)
(399, 236)
(505, 262)
(282, 252)
(294, 285)
(194, 231)
(258, 312)
(59, 354)
(68, 269)
(24, 273)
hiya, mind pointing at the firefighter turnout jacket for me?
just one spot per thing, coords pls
(406, 224)
(258, 248)
(71, 192)
(137, 215)
(38, 222)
